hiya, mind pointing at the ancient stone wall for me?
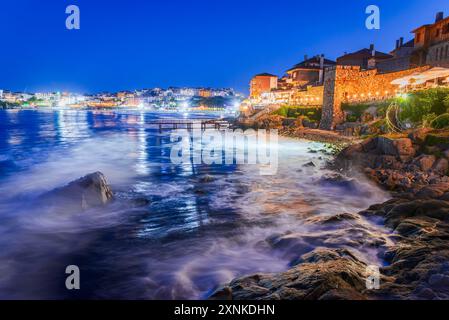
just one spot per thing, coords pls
(350, 84)
(311, 96)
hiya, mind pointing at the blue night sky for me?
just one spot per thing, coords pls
(139, 44)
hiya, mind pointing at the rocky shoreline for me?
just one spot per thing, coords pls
(414, 168)
(296, 129)
(414, 255)
(317, 135)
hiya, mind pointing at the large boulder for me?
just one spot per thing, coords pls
(384, 153)
(87, 192)
(446, 153)
(429, 208)
(438, 139)
(402, 148)
(336, 180)
(441, 166)
(418, 136)
(433, 191)
(425, 162)
(387, 162)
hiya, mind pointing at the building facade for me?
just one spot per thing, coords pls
(205, 93)
(308, 72)
(400, 59)
(432, 43)
(261, 83)
(364, 58)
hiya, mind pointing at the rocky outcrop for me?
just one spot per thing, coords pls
(416, 257)
(401, 148)
(87, 192)
(399, 164)
(380, 148)
(322, 274)
(419, 261)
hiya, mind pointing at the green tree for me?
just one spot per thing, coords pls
(417, 105)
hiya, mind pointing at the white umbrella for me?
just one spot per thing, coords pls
(404, 81)
(435, 73)
(422, 77)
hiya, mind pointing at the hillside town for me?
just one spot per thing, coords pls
(170, 99)
(358, 91)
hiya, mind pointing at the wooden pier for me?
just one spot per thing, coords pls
(189, 124)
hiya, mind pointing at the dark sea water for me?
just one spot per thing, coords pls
(168, 234)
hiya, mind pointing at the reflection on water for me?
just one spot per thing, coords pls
(169, 233)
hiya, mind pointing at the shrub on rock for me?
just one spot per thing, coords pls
(441, 122)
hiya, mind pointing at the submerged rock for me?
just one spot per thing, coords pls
(338, 180)
(87, 192)
(207, 178)
(141, 202)
(336, 218)
(309, 164)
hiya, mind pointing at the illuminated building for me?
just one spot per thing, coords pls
(308, 72)
(432, 43)
(205, 93)
(364, 58)
(261, 83)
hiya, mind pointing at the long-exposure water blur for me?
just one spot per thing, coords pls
(172, 231)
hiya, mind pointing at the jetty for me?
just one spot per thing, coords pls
(189, 124)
